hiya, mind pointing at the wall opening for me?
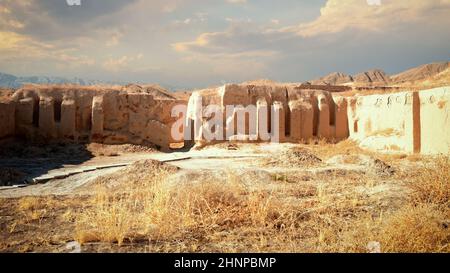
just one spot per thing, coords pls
(287, 121)
(57, 110)
(333, 107)
(316, 115)
(36, 113)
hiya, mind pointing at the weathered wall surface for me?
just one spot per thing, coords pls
(83, 114)
(303, 114)
(7, 119)
(382, 122)
(412, 122)
(435, 121)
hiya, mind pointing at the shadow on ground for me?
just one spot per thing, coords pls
(21, 161)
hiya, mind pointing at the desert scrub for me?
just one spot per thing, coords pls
(230, 211)
(159, 210)
(431, 184)
(117, 211)
(416, 229)
(421, 224)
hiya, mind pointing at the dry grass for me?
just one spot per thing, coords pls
(150, 207)
(326, 150)
(431, 184)
(296, 157)
(98, 149)
(348, 147)
(119, 213)
(158, 211)
(422, 224)
(233, 215)
(416, 228)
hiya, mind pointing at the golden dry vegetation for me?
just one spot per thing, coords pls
(149, 208)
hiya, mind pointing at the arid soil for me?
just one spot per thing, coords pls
(230, 198)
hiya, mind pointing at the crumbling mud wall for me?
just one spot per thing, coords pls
(302, 114)
(409, 122)
(87, 114)
(7, 119)
(434, 114)
(412, 122)
(383, 122)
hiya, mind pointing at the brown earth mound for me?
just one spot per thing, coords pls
(373, 165)
(293, 158)
(136, 173)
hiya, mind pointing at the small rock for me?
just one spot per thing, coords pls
(374, 247)
(73, 247)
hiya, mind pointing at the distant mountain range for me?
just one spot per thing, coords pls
(427, 73)
(11, 81)
(14, 82)
(379, 77)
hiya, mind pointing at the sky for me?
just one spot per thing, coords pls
(199, 43)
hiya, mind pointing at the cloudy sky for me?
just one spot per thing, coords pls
(197, 43)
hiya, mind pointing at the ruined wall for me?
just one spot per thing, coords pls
(83, 114)
(412, 122)
(435, 121)
(7, 119)
(303, 114)
(382, 122)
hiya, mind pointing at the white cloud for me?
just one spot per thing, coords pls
(199, 17)
(336, 16)
(237, 1)
(340, 15)
(19, 48)
(121, 63)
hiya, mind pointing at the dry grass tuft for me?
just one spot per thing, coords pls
(118, 213)
(416, 229)
(431, 184)
(293, 158)
(346, 147)
(29, 203)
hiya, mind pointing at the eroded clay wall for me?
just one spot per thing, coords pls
(382, 122)
(435, 121)
(303, 114)
(412, 122)
(82, 114)
(7, 119)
